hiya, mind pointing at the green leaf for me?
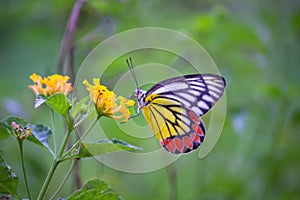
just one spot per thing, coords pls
(40, 135)
(4, 132)
(18, 120)
(59, 103)
(104, 146)
(95, 189)
(8, 180)
(82, 110)
(79, 106)
(6, 125)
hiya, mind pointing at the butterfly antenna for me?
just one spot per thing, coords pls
(130, 65)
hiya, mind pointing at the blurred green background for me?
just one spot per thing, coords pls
(256, 46)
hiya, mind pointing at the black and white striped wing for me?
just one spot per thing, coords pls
(199, 92)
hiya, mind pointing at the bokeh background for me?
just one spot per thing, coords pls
(256, 46)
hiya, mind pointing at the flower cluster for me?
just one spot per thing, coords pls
(21, 133)
(50, 85)
(107, 103)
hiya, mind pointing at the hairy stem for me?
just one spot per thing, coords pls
(48, 179)
(55, 162)
(23, 168)
(64, 180)
(53, 129)
(81, 138)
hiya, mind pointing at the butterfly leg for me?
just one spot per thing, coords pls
(133, 116)
(137, 114)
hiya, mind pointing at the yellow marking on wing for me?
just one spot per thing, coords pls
(154, 98)
(183, 126)
(156, 116)
(177, 109)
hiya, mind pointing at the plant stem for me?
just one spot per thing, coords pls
(65, 141)
(55, 162)
(53, 129)
(81, 138)
(69, 34)
(77, 177)
(64, 180)
(23, 168)
(47, 180)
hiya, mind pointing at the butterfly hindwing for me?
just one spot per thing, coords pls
(189, 141)
(174, 107)
(178, 128)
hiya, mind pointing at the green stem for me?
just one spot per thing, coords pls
(64, 180)
(53, 129)
(23, 168)
(47, 180)
(65, 141)
(55, 162)
(81, 138)
(66, 158)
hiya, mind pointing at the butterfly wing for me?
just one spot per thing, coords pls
(174, 107)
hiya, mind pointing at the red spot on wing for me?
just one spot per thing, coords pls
(178, 144)
(168, 144)
(195, 137)
(187, 142)
(197, 129)
(194, 117)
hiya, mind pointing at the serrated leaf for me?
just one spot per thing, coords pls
(95, 189)
(104, 146)
(8, 124)
(40, 135)
(18, 120)
(4, 132)
(59, 103)
(8, 180)
(39, 100)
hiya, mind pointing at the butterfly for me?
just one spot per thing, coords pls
(173, 108)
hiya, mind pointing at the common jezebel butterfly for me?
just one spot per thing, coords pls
(173, 108)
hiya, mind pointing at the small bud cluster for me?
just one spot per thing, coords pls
(21, 133)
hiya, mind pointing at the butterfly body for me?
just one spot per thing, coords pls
(173, 108)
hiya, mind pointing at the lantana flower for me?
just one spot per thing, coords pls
(20, 132)
(49, 85)
(107, 103)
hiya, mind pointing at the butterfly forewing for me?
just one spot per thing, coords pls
(174, 107)
(198, 92)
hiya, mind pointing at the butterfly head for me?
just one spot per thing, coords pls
(140, 95)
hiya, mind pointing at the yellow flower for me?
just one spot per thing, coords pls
(107, 103)
(50, 85)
